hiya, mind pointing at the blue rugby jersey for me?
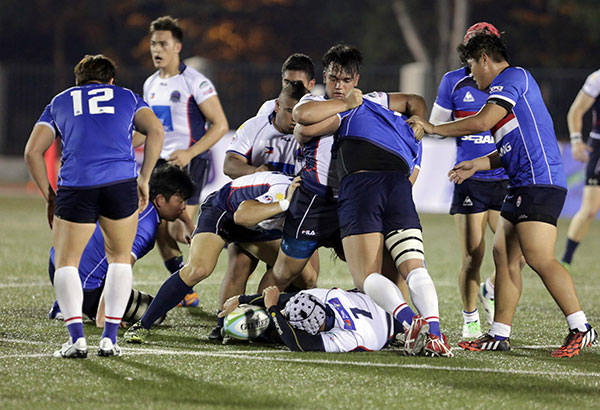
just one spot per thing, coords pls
(525, 137)
(93, 265)
(383, 128)
(95, 123)
(459, 97)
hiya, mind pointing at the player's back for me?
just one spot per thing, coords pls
(95, 123)
(264, 187)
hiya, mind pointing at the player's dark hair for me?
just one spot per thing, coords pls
(344, 58)
(481, 43)
(294, 90)
(169, 180)
(167, 23)
(299, 62)
(94, 68)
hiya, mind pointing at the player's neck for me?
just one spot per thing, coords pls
(171, 70)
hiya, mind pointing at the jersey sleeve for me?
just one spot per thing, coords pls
(275, 193)
(140, 103)
(379, 97)
(296, 340)
(242, 140)
(267, 108)
(47, 119)
(507, 88)
(444, 95)
(592, 85)
(203, 90)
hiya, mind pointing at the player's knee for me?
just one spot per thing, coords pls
(405, 244)
(193, 273)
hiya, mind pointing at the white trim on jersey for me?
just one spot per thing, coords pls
(502, 97)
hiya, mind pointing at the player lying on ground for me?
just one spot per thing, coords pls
(170, 186)
(249, 211)
(324, 320)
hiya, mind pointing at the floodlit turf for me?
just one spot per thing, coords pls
(180, 368)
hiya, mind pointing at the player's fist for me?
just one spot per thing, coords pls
(353, 99)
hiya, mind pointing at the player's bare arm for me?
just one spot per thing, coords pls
(149, 125)
(312, 112)
(40, 140)
(304, 133)
(213, 111)
(465, 170)
(271, 296)
(580, 106)
(137, 139)
(236, 165)
(251, 212)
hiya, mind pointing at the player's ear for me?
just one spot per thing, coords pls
(311, 84)
(277, 105)
(178, 46)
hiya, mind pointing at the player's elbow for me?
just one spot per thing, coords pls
(301, 114)
(244, 216)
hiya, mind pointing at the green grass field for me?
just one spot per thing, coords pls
(180, 368)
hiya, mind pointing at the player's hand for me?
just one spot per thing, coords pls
(229, 306)
(462, 171)
(142, 194)
(50, 206)
(292, 188)
(418, 130)
(353, 99)
(580, 150)
(271, 296)
(416, 120)
(181, 158)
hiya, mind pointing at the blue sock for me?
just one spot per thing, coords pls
(174, 264)
(75, 331)
(220, 320)
(434, 328)
(110, 331)
(569, 250)
(404, 315)
(169, 295)
(501, 338)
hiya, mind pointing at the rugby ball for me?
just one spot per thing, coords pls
(246, 322)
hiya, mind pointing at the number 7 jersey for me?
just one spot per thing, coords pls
(95, 124)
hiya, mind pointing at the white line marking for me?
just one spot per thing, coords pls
(251, 355)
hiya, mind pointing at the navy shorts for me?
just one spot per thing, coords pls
(533, 203)
(220, 222)
(311, 217)
(475, 196)
(376, 202)
(592, 169)
(116, 201)
(198, 170)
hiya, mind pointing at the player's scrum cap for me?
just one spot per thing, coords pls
(478, 28)
(305, 312)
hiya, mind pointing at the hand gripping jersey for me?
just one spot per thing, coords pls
(93, 265)
(592, 88)
(525, 137)
(260, 143)
(373, 123)
(319, 174)
(265, 187)
(459, 97)
(95, 124)
(175, 102)
(360, 325)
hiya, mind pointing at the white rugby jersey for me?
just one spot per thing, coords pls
(260, 143)
(360, 324)
(592, 89)
(175, 102)
(267, 108)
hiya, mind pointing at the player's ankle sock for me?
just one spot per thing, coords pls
(168, 296)
(220, 320)
(578, 321)
(69, 294)
(174, 264)
(117, 291)
(424, 297)
(488, 289)
(434, 326)
(469, 317)
(500, 331)
(386, 294)
(569, 250)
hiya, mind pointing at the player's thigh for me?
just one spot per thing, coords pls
(119, 235)
(492, 219)
(265, 251)
(507, 250)
(287, 267)
(203, 256)
(590, 202)
(69, 240)
(471, 230)
(537, 240)
(364, 254)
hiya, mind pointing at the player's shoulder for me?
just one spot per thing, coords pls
(255, 123)
(455, 75)
(151, 79)
(592, 84)
(312, 97)
(191, 74)
(267, 107)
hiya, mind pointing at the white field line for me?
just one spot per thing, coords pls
(251, 355)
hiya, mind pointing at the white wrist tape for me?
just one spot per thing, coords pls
(576, 136)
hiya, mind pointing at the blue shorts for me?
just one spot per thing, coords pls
(220, 222)
(475, 196)
(533, 203)
(376, 202)
(592, 169)
(85, 205)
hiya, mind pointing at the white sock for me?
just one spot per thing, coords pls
(577, 321)
(500, 329)
(469, 317)
(117, 289)
(384, 292)
(69, 293)
(423, 294)
(489, 289)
